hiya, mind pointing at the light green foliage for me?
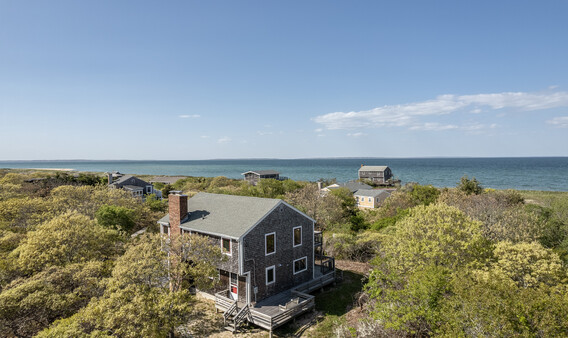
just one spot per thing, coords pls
(470, 186)
(526, 264)
(22, 214)
(145, 295)
(66, 239)
(410, 302)
(115, 217)
(437, 235)
(424, 194)
(29, 305)
(324, 208)
(492, 307)
(155, 204)
(358, 247)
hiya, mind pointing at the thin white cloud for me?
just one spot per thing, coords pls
(262, 133)
(560, 122)
(409, 115)
(192, 116)
(204, 136)
(318, 130)
(433, 126)
(224, 139)
(355, 134)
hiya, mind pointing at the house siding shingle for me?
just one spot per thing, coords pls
(282, 220)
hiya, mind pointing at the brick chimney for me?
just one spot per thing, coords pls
(177, 204)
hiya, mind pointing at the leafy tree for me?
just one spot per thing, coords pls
(29, 305)
(146, 295)
(470, 186)
(325, 209)
(437, 235)
(424, 194)
(115, 217)
(526, 264)
(155, 204)
(66, 239)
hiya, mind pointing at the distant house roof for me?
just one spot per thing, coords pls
(132, 187)
(166, 179)
(373, 168)
(371, 192)
(125, 179)
(225, 215)
(262, 172)
(351, 185)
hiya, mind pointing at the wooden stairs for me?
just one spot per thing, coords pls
(233, 317)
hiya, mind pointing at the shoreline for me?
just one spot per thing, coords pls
(51, 169)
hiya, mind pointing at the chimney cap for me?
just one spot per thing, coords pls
(175, 192)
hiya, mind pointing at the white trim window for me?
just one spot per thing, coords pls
(297, 236)
(226, 246)
(370, 199)
(270, 275)
(300, 265)
(148, 189)
(269, 243)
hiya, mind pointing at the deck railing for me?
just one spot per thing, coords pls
(305, 303)
(223, 302)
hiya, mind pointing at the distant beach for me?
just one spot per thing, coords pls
(54, 169)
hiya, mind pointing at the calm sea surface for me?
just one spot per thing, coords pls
(527, 173)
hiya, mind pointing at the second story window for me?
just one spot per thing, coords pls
(270, 243)
(226, 246)
(297, 236)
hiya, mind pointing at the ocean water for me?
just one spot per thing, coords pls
(526, 173)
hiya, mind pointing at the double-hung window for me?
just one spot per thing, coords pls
(226, 246)
(270, 243)
(297, 236)
(300, 265)
(270, 274)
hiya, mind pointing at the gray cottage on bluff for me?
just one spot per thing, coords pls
(132, 184)
(375, 174)
(253, 177)
(272, 252)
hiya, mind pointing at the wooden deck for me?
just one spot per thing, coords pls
(279, 309)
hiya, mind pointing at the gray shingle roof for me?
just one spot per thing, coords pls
(371, 193)
(262, 172)
(225, 215)
(373, 168)
(352, 186)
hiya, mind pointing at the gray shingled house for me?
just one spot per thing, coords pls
(376, 174)
(270, 246)
(253, 177)
(132, 184)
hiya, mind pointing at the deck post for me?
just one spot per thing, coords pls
(270, 334)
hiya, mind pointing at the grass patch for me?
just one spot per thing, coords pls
(337, 300)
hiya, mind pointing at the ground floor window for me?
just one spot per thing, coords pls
(270, 274)
(300, 265)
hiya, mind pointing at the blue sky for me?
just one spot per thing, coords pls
(282, 79)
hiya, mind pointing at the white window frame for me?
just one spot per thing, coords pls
(273, 267)
(148, 189)
(294, 238)
(230, 253)
(266, 253)
(370, 199)
(299, 259)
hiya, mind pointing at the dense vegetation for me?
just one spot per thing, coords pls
(464, 261)
(69, 266)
